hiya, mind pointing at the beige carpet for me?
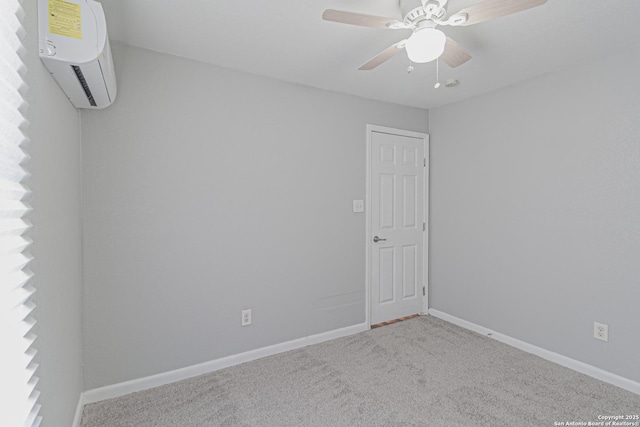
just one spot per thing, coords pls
(420, 372)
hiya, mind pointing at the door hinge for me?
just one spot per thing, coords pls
(424, 291)
(425, 162)
(424, 226)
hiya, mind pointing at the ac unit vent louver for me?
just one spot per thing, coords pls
(83, 83)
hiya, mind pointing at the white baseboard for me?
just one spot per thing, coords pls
(78, 415)
(565, 361)
(117, 390)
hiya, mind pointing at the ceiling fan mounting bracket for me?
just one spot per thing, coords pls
(457, 19)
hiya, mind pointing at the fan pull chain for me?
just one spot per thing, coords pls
(410, 67)
(437, 85)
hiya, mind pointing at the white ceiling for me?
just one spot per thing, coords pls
(288, 40)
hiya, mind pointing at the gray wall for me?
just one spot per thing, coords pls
(55, 185)
(535, 211)
(206, 191)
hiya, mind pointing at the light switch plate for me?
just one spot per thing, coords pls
(358, 206)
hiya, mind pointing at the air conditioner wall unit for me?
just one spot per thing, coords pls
(74, 46)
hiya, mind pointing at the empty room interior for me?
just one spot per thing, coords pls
(244, 228)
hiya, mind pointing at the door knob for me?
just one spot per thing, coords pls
(376, 239)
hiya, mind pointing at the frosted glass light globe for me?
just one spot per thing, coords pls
(425, 45)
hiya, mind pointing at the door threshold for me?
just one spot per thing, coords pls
(389, 322)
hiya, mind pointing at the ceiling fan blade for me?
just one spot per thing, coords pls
(491, 9)
(454, 54)
(383, 56)
(360, 19)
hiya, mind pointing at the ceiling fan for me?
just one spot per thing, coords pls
(427, 43)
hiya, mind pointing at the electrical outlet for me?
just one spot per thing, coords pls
(246, 317)
(600, 331)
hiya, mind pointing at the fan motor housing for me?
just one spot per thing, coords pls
(414, 11)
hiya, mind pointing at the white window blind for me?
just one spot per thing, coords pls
(18, 395)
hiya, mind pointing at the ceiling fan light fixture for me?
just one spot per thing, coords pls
(425, 45)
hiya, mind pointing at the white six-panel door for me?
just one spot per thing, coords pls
(396, 232)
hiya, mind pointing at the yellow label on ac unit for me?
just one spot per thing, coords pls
(65, 18)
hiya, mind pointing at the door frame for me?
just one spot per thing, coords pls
(425, 235)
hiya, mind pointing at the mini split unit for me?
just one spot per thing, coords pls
(74, 46)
